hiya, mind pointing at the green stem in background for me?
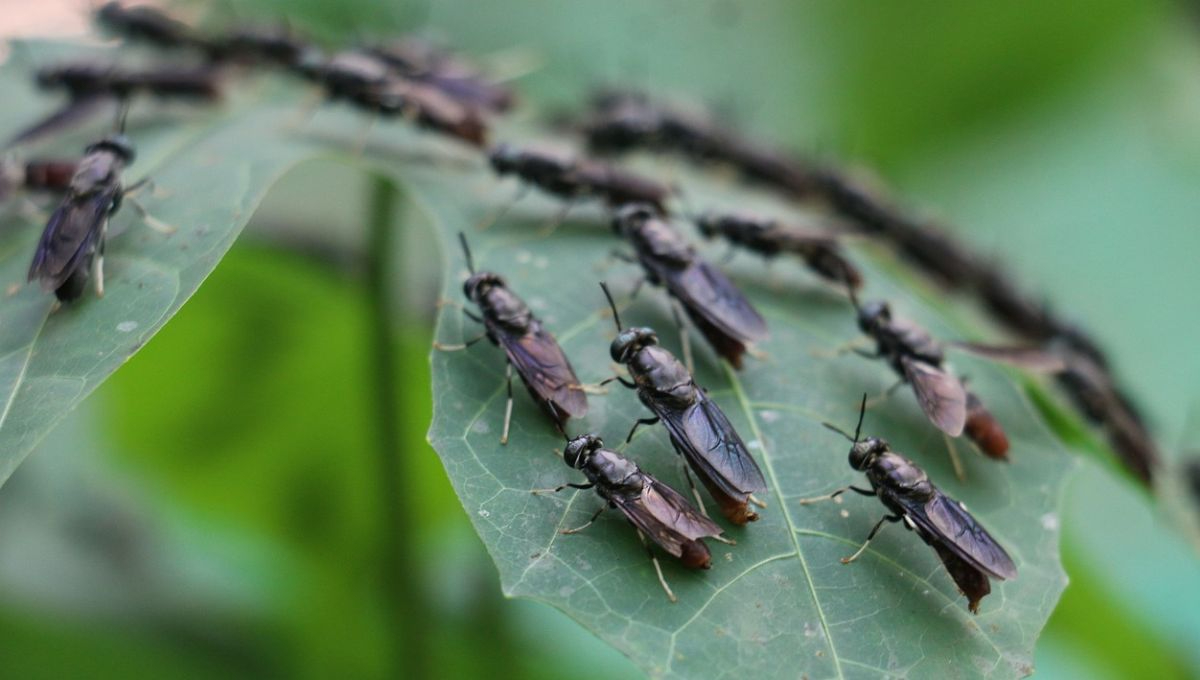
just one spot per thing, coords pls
(404, 603)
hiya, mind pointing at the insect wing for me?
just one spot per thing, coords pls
(541, 363)
(73, 113)
(707, 293)
(1031, 358)
(666, 516)
(70, 237)
(940, 395)
(947, 520)
(707, 439)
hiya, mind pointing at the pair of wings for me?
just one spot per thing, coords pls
(704, 435)
(941, 395)
(71, 236)
(664, 515)
(711, 298)
(947, 522)
(545, 369)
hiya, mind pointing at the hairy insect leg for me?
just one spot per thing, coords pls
(657, 568)
(835, 494)
(885, 395)
(639, 423)
(684, 337)
(556, 221)
(457, 348)
(560, 487)
(586, 524)
(846, 348)
(150, 220)
(493, 216)
(755, 501)
(98, 263)
(874, 530)
(955, 461)
(508, 403)
(695, 492)
(588, 388)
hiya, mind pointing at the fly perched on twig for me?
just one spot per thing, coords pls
(529, 347)
(699, 429)
(970, 554)
(72, 245)
(717, 308)
(655, 509)
(769, 237)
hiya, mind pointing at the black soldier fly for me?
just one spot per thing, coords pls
(699, 430)
(150, 25)
(39, 174)
(574, 179)
(424, 62)
(655, 509)
(529, 347)
(273, 45)
(92, 87)
(370, 84)
(768, 237)
(718, 309)
(72, 245)
(970, 554)
(917, 358)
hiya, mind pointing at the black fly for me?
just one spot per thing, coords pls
(768, 237)
(72, 246)
(718, 309)
(699, 430)
(530, 348)
(968, 551)
(576, 179)
(655, 509)
(917, 358)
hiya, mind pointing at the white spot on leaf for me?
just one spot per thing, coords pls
(127, 326)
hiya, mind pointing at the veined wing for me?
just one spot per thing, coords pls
(940, 395)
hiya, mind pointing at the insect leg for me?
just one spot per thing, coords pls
(560, 487)
(555, 222)
(617, 378)
(880, 398)
(835, 494)
(874, 530)
(959, 470)
(657, 569)
(98, 265)
(639, 423)
(695, 492)
(494, 215)
(457, 348)
(586, 525)
(684, 338)
(150, 220)
(508, 403)
(637, 288)
(846, 348)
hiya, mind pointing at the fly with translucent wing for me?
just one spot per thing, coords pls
(699, 430)
(655, 509)
(714, 304)
(969, 553)
(530, 349)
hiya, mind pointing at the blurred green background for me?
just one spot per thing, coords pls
(214, 509)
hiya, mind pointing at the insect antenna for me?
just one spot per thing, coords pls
(862, 411)
(122, 115)
(613, 305)
(462, 239)
(849, 287)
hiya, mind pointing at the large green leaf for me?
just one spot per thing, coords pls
(778, 603)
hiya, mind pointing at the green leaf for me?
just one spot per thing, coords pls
(210, 170)
(779, 603)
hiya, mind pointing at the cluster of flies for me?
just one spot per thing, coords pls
(439, 91)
